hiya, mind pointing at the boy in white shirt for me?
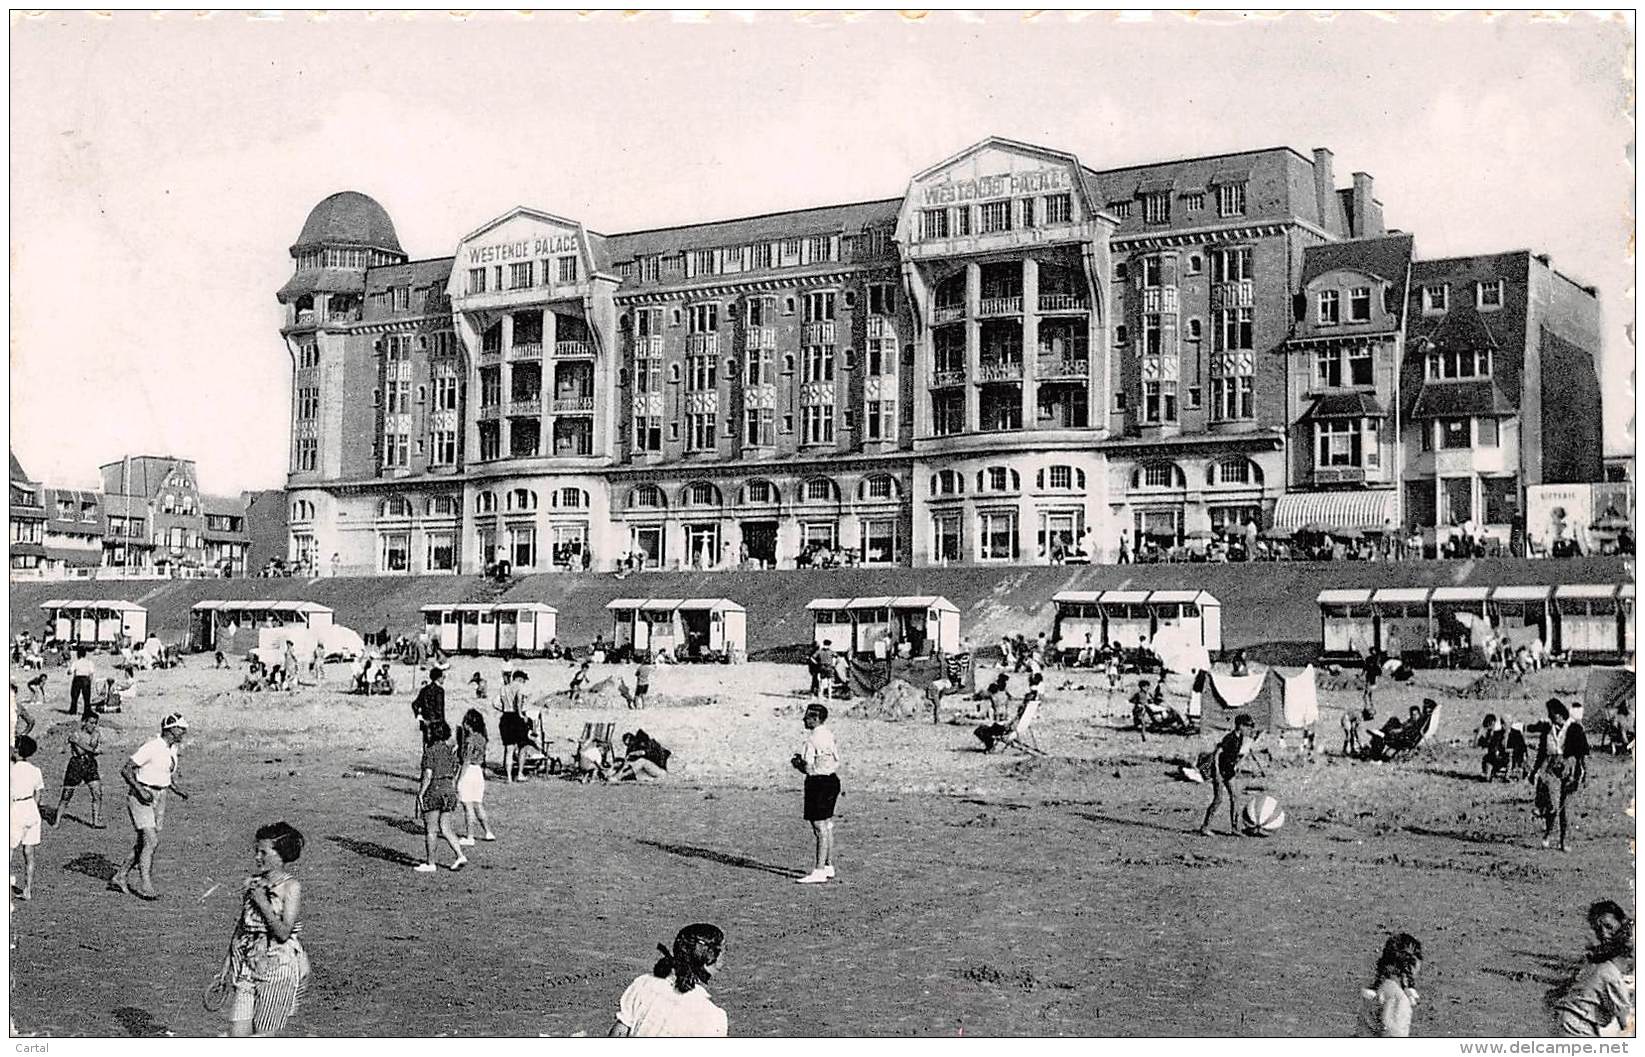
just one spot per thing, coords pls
(26, 784)
(819, 760)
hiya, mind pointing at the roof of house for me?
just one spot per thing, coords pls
(852, 216)
(1387, 258)
(1347, 405)
(348, 218)
(1479, 397)
(17, 472)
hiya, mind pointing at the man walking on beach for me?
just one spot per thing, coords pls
(819, 760)
(429, 706)
(150, 775)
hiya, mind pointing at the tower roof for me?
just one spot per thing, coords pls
(349, 218)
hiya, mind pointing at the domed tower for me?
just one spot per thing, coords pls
(345, 235)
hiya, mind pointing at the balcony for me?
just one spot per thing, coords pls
(530, 405)
(760, 338)
(1001, 306)
(943, 379)
(1238, 294)
(817, 333)
(1064, 303)
(648, 346)
(572, 405)
(1052, 369)
(1159, 299)
(881, 327)
(491, 355)
(526, 350)
(947, 313)
(564, 349)
(703, 345)
(490, 412)
(1000, 371)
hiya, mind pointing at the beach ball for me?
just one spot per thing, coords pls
(1262, 816)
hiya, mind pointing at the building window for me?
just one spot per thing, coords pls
(1232, 329)
(699, 432)
(817, 424)
(997, 535)
(1231, 265)
(1059, 209)
(1120, 209)
(522, 546)
(700, 373)
(476, 281)
(1436, 298)
(1336, 443)
(880, 486)
(308, 454)
(491, 441)
(1156, 207)
(520, 275)
(396, 450)
(1194, 330)
(881, 356)
(1359, 304)
(443, 445)
(1159, 402)
(995, 217)
(1231, 200)
(819, 490)
(699, 262)
(1232, 398)
(1193, 201)
(879, 542)
(1327, 368)
(882, 298)
(567, 269)
(819, 307)
(948, 413)
(396, 552)
(1152, 335)
(759, 491)
(759, 427)
(442, 552)
(1458, 363)
(705, 319)
(1360, 365)
(1489, 433)
(1330, 308)
(817, 363)
(1488, 295)
(1122, 335)
(1157, 475)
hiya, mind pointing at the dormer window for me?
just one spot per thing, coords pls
(1436, 298)
(1488, 295)
(1330, 308)
(1359, 304)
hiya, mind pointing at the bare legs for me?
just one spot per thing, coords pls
(437, 826)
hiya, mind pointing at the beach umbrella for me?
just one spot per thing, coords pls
(1275, 533)
(1314, 528)
(1347, 533)
(1199, 534)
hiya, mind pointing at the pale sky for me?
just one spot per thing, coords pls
(161, 166)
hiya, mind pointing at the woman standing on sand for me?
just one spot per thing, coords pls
(1600, 995)
(471, 780)
(270, 968)
(437, 794)
(1386, 1006)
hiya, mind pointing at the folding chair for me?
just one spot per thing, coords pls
(1022, 736)
(599, 735)
(536, 742)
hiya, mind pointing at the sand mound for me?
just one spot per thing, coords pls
(1492, 686)
(612, 693)
(897, 700)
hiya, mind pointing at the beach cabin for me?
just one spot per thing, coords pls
(233, 626)
(1127, 619)
(925, 623)
(716, 627)
(1402, 620)
(647, 624)
(1347, 620)
(1196, 612)
(1590, 622)
(524, 627)
(1457, 614)
(1078, 621)
(500, 627)
(1625, 613)
(1521, 613)
(96, 621)
(830, 622)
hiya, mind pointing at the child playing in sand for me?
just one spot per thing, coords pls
(26, 785)
(1221, 765)
(268, 965)
(437, 794)
(481, 691)
(471, 780)
(579, 679)
(672, 1002)
(84, 744)
(1385, 1007)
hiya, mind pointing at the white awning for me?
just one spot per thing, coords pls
(667, 605)
(625, 603)
(924, 602)
(828, 603)
(1343, 596)
(115, 604)
(1121, 598)
(722, 605)
(1401, 594)
(1585, 591)
(1204, 598)
(877, 602)
(1521, 594)
(1076, 596)
(1459, 594)
(525, 607)
(1367, 511)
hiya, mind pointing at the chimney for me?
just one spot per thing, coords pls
(1359, 227)
(1325, 184)
(1547, 261)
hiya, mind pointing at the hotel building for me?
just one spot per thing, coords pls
(1019, 357)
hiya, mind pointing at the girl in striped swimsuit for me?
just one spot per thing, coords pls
(270, 965)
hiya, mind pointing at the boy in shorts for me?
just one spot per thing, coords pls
(84, 746)
(150, 774)
(819, 760)
(26, 784)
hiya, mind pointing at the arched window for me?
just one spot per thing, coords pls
(647, 497)
(1233, 472)
(570, 499)
(485, 503)
(879, 486)
(442, 506)
(701, 493)
(302, 510)
(820, 490)
(521, 499)
(1157, 475)
(674, 373)
(1060, 478)
(998, 479)
(394, 506)
(760, 491)
(947, 482)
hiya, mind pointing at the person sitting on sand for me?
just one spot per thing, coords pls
(644, 759)
(1597, 1001)
(381, 681)
(1493, 738)
(219, 661)
(256, 678)
(481, 691)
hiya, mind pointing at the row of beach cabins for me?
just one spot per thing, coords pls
(1589, 621)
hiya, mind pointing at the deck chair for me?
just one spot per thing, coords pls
(534, 755)
(1405, 741)
(1021, 736)
(598, 735)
